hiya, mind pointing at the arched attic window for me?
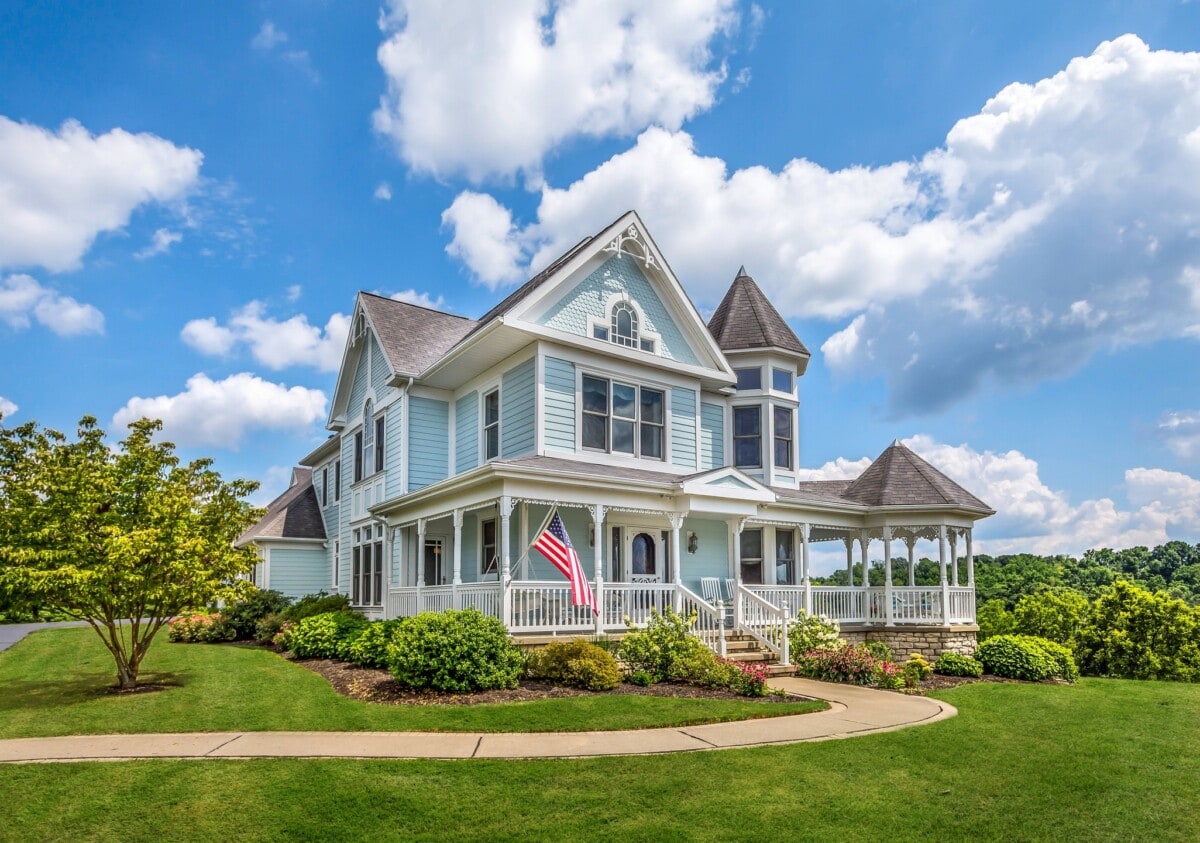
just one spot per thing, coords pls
(624, 325)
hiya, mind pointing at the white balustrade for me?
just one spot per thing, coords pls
(838, 603)
(916, 604)
(710, 619)
(962, 604)
(402, 603)
(437, 598)
(764, 621)
(484, 596)
(634, 601)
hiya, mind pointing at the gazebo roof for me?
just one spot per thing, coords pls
(898, 477)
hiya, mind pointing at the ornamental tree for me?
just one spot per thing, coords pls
(122, 537)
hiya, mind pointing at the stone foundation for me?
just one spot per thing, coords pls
(929, 641)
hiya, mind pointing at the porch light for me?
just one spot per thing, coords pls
(693, 542)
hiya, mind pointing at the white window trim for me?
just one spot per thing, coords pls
(605, 322)
(762, 427)
(637, 384)
(497, 387)
(791, 466)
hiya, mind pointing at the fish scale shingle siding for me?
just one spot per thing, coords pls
(588, 298)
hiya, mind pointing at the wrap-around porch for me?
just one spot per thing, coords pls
(642, 559)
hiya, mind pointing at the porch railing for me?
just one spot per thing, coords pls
(763, 621)
(710, 619)
(919, 604)
(834, 602)
(546, 607)
(407, 601)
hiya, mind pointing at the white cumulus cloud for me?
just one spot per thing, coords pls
(23, 300)
(1180, 431)
(7, 408)
(383, 192)
(1058, 221)
(59, 190)
(1032, 517)
(277, 344)
(488, 89)
(221, 413)
(160, 243)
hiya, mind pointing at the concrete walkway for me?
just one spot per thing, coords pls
(853, 711)
(11, 633)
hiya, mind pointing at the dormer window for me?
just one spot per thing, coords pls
(624, 325)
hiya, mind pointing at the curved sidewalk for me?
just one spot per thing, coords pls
(853, 711)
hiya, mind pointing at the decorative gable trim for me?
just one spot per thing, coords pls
(720, 482)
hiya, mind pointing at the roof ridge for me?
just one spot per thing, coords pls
(426, 308)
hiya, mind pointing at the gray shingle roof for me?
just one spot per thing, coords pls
(898, 477)
(817, 491)
(591, 468)
(745, 318)
(413, 337)
(293, 515)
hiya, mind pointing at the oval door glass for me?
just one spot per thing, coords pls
(642, 557)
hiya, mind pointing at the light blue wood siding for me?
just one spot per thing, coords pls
(559, 404)
(358, 388)
(347, 501)
(683, 428)
(711, 558)
(712, 436)
(589, 297)
(428, 442)
(393, 454)
(297, 571)
(466, 432)
(518, 415)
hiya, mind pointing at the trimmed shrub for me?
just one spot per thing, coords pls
(812, 632)
(326, 636)
(457, 651)
(1026, 657)
(956, 664)
(1136, 634)
(665, 649)
(316, 604)
(197, 628)
(241, 619)
(370, 647)
(576, 664)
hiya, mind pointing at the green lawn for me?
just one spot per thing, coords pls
(53, 683)
(1103, 760)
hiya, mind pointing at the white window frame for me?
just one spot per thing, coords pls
(368, 535)
(762, 551)
(791, 376)
(337, 480)
(737, 374)
(483, 425)
(605, 323)
(637, 421)
(733, 437)
(791, 437)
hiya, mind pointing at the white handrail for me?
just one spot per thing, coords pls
(710, 619)
(756, 616)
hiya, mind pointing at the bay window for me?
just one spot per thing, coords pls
(783, 437)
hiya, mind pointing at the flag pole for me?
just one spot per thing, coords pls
(536, 533)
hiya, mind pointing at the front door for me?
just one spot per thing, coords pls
(644, 554)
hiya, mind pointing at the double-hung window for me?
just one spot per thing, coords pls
(489, 548)
(747, 437)
(337, 481)
(324, 487)
(785, 556)
(783, 437)
(366, 575)
(491, 425)
(368, 446)
(623, 418)
(379, 429)
(751, 542)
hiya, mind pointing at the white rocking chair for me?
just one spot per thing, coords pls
(710, 589)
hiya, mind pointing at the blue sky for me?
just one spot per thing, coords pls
(982, 218)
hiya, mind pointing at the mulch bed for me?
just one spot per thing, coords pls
(378, 686)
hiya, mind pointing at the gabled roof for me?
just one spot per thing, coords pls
(412, 336)
(898, 477)
(746, 319)
(293, 515)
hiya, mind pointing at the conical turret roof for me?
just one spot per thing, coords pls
(747, 319)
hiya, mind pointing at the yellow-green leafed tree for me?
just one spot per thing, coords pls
(122, 537)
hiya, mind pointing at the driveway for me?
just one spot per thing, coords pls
(11, 633)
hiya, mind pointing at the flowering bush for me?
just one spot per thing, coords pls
(916, 669)
(855, 665)
(282, 639)
(888, 675)
(665, 649)
(198, 628)
(812, 632)
(746, 678)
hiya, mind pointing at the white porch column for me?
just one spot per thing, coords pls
(676, 575)
(954, 557)
(804, 573)
(735, 533)
(887, 577)
(864, 542)
(849, 540)
(506, 510)
(942, 569)
(970, 560)
(396, 574)
(911, 541)
(457, 579)
(525, 540)
(598, 529)
(420, 564)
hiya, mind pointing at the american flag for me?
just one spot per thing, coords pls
(555, 545)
